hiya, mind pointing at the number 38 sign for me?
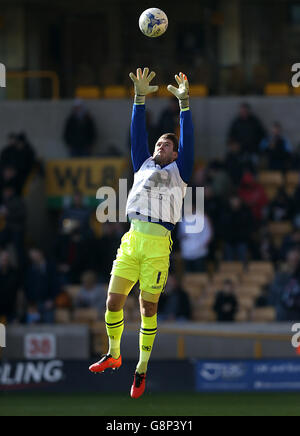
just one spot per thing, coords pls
(40, 346)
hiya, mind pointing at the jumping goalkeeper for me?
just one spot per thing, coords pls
(153, 207)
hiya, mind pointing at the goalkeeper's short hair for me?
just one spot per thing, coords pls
(173, 138)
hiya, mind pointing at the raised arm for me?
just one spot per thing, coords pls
(185, 160)
(139, 136)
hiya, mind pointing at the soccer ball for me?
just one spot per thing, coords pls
(153, 22)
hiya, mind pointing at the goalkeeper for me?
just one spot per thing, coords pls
(153, 207)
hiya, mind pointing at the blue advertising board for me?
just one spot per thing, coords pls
(256, 376)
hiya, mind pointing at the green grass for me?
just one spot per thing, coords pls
(36, 404)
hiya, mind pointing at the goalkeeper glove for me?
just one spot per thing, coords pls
(182, 92)
(141, 84)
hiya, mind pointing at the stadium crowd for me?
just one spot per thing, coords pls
(34, 284)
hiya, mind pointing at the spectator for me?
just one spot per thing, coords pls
(226, 304)
(247, 129)
(41, 286)
(9, 176)
(262, 300)
(281, 207)
(75, 254)
(253, 194)
(9, 285)
(19, 154)
(276, 149)
(174, 303)
(79, 131)
(289, 242)
(237, 226)
(263, 247)
(168, 121)
(219, 179)
(296, 206)
(77, 215)
(285, 289)
(91, 294)
(107, 247)
(236, 162)
(195, 246)
(13, 217)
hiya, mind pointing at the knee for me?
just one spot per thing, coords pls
(148, 309)
(114, 302)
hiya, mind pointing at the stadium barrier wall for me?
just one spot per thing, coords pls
(174, 341)
(163, 376)
(44, 121)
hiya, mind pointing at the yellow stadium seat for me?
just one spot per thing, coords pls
(85, 316)
(266, 268)
(255, 279)
(271, 181)
(72, 290)
(277, 89)
(271, 178)
(195, 279)
(62, 316)
(194, 284)
(198, 90)
(249, 290)
(292, 181)
(242, 315)
(279, 230)
(91, 92)
(115, 92)
(263, 314)
(231, 267)
(245, 303)
(220, 277)
(204, 315)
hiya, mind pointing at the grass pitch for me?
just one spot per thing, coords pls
(246, 404)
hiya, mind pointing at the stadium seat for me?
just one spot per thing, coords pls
(115, 92)
(276, 89)
(62, 316)
(249, 289)
(258, 279)
(198, 90)
(219, 277)
(72, 290)
(245, 303)
(263, 267)
(195, 279)
(271, 181)
(270, 178)
(231, 267)
(206, 302)
(242, 315)
(279, 230)
(263, 314)
(85, 316)
(292, 181)
(204, 315)
(90, 92)
(195, 283)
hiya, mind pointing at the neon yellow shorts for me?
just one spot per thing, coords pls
(144, 256)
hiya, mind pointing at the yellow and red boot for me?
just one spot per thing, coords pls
(138, 386)
(107, 361)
